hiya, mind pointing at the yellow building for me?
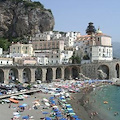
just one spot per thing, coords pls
(19, 50)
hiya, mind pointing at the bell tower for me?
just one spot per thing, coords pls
(90, 29)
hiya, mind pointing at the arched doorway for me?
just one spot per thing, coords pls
(13, 75)
(49, 75)
(67, 73)
(58, 73)
(75, 73)
(1, 76)
(103, 72)
(117, 70)
(38, 74)
(26, 75)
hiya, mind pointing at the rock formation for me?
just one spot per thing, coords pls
(83, 77)
(101, 75)
(20, 18)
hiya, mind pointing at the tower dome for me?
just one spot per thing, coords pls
(99, 31)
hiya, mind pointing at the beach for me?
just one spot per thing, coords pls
(6, 113)
(82, 103)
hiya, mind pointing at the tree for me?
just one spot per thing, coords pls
(75, 59)
(4, 43)
(86, 57)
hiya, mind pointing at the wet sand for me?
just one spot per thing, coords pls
(82, 107)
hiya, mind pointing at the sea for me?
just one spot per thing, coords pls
(109, 94)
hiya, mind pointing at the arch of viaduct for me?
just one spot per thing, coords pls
(48, 73)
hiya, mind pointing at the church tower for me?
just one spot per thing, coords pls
(90, 29)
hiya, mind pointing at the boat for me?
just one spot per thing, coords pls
(13, 100)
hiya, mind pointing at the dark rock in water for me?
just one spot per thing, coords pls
(19, 18)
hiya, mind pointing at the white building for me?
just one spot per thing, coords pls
(94, 47)
(42, 60)
(6, 61)
(1, 51)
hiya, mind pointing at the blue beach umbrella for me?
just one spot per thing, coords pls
(63, 119)
(56, 110)
(70, 111)
(75, 116)
(47, 118)
(77, 119)
(25, 117)
(45, 113)
(59, 115)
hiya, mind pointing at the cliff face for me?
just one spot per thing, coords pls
(19, 18)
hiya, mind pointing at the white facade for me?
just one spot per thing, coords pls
(95, 47)
(67, 56)
(41, 36)
(42, 60)
(1, 51)
(6, 61)
(100, 53)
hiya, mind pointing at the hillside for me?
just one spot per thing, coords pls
(116, 49)
(19, 18)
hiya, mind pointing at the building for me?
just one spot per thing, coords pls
(52, 49)
(19, 50)
(42, 60)
(95, 46)
(6, 61)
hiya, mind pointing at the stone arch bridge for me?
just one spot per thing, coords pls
(31, 73)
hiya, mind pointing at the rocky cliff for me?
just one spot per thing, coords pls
(21, 17)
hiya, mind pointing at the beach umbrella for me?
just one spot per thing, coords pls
(69, 106)
(71, 113)
(77, 119)
(45, 113)
(44, 99)
(47, 118)
(59, 115)
(56, 110)
(63, 119)
(16, 113)
(69, 109)
(75, 116)
(51, 98)
(25, 117)
(16, 116)
(55, 106)
(24, 105)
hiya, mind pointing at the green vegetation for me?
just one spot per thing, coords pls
(86, 57)
(4, 43)
(33, 4)
(75, 59)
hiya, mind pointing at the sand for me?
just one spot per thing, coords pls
(82, 107)
(80, 103)
(6, 113)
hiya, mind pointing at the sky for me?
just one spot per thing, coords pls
(74, 15)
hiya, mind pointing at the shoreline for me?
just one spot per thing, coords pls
(83, 108)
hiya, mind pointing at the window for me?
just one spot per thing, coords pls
(98, 39)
